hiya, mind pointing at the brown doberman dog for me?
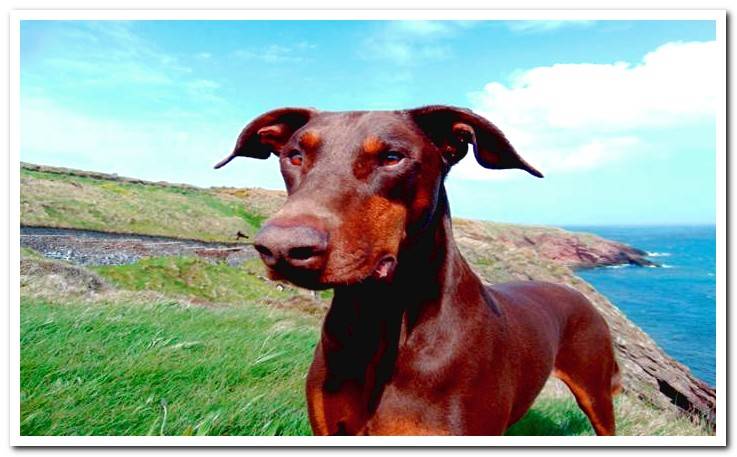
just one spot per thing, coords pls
(414, 343)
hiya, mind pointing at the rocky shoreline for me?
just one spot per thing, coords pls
(575, 250)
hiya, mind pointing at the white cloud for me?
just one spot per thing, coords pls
(422, 28)
(109, 53)
(202, 84)
(275, 53)
(112, 71)
(93, 56)
(570, 117)
(541, 26)
(408, 43)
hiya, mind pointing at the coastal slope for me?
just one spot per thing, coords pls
(74, 199)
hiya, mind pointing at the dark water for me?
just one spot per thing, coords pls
(676, 304)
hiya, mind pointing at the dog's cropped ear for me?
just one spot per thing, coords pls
(452, 129)
(268, 132)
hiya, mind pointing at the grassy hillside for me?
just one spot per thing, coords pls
(180, 346)
(57, 197)
(184, 345)
(130, 365)
(161, 368)
(63, 200)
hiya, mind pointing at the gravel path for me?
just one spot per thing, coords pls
(85, 247)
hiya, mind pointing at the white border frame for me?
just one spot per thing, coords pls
(719, 16)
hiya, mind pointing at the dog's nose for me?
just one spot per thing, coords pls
(300, 246)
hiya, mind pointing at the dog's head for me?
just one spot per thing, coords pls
(360, 184)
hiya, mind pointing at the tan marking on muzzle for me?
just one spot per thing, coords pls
(386, 220)
(371, 230)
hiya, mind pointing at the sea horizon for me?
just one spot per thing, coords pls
(626, 225)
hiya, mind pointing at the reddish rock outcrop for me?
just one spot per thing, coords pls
(575, 250)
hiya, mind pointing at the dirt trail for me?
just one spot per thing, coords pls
(85, 247)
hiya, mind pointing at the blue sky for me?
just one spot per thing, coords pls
(619, 115)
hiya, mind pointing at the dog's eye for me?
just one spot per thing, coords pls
(390, 158)
(295, 158)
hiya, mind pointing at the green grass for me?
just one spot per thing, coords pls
(132, 369)
(195, 277)
(165, 368)
(108, 367)
(30, 253)
(111, 369)
(553, 417)
(72, 201)
(206, 282)
(135, 359)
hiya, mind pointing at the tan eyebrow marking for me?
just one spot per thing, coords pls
(310, 140)
(372, 145)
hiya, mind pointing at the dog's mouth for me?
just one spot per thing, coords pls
(300, 277)
(383, 271)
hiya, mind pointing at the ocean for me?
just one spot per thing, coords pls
(675, 304)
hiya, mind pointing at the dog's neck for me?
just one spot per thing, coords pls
(367, 323)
